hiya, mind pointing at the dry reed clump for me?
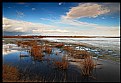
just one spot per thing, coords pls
(68, 49)
(33, 43)
(84, 54)
(59, 45)
(62, 64)
(18, 43)
(88, 66)
(36, 50)
(10, 73)
(80, 54)
(48, 49)
(38, 58)
(26, 43)
(23, 44)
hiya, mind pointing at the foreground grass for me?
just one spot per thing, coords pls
(13, 74)
(10, 73)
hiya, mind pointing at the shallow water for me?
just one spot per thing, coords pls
(44, 70)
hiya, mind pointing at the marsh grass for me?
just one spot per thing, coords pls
(10, 73)
(63, 64)
(87, 61)
(60, 45)
(88, 66)
(68, 48)
(77, 54)
(37, 52)
(26, 43)
(48, 49)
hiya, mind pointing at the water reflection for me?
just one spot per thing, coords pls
(41, 67)
(6, 52)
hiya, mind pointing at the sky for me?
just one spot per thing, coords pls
(61, 18)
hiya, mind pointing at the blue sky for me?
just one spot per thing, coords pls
(62, 18)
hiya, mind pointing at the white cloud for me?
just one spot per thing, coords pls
(76, 23)
(19, 29)
(60, 3)
(33, 8)
(100, 31)
(84, 28)
(36, 30)
(114, 7)
(49, 31)
(46, 19)
(86, 10)
(21, 26)
(57, 31)
(10, 25)
(6, 25)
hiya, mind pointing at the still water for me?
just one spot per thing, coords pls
(42, 70)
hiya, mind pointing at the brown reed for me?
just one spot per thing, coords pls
(61, 64)
(59, 45)
(48, 49)
(88, 66)
(10, 73)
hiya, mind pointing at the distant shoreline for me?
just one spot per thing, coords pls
(59, 37)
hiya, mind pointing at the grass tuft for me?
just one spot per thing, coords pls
(10, 73)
